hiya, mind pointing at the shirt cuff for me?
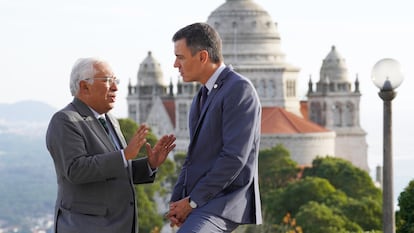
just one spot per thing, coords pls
(151, 171)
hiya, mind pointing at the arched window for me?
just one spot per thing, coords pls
(337, 114)
(316, 113)
(349, 114)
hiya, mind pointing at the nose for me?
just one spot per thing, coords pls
(114, 86)
(176, 63)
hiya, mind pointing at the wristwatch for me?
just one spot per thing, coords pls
(192, 203)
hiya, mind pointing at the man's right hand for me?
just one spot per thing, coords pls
(136, 142)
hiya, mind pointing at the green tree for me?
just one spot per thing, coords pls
(355, 182)
(365, 211)
(405, 216)
(299, 193)
(129, 127)
(148, 216)
(317, 185)
(319, 218)
(276, 168)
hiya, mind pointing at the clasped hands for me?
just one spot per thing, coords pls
(156, 155)
(179, 212)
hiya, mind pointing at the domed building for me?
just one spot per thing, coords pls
(252, 46)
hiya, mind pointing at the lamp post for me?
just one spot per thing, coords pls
(387, 76)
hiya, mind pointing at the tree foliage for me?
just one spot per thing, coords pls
(405, 216)
(355, 182)
(296, 194)
(332, 195)
(129, 127)
(276, 168)
(146, 195)
(319, 218)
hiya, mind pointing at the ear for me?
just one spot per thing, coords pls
(203, 56)
(84, 87)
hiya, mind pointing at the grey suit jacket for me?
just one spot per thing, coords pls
(95, 189)
(220, 171)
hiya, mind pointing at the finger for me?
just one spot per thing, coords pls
(148, 147)
(174, 221)
(142, 130)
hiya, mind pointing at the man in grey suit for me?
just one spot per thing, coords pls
(95, 167)
(217, 189)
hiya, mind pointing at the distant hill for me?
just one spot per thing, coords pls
(26, 111)
(27, 176)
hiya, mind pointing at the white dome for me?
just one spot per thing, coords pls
(249, 35)
(334, 68)
(150, 73)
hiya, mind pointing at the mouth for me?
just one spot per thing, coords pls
(112, 98)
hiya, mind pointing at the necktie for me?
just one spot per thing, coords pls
(104, 124)
(204, 95)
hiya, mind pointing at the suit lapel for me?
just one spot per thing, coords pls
(196, 122)
(93, 123)
(119, 136)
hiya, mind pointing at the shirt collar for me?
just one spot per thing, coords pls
(97, 115)
(212, 80)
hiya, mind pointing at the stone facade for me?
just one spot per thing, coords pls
(251, 44)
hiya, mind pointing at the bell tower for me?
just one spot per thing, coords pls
(335, 105)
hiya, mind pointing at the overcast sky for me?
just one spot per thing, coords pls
(40, 40)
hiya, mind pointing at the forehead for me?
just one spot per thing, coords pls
(102, 68)
(180, 46)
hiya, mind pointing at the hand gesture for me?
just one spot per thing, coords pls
(136, 142)
(158, 154)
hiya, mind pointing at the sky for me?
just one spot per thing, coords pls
(40, 40)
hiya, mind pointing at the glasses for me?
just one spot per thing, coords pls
(109, 80)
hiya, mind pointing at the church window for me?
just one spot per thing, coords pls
(337, 114)
(349, 114)
(271, 88)
(316, 113)
(290, 88)
(260, 88)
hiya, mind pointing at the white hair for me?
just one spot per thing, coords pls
(83, 69)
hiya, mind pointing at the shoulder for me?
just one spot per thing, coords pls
(239, 82)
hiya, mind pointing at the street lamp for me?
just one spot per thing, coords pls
(387, 76)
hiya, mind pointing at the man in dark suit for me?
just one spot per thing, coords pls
(95, 167)
(217, 189)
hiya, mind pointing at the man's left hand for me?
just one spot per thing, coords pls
(158, 154)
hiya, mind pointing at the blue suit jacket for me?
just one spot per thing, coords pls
(220, 171)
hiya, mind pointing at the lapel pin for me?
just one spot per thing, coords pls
(215, 86)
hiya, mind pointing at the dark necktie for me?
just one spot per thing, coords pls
(104, 124)
(204, 95)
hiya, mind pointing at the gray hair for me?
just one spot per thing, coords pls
(83, 69)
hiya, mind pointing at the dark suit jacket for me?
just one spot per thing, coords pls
(220, 171)
(95, 190)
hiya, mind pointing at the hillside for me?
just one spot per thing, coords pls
(27, 177)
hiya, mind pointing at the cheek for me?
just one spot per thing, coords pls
(189, 66)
